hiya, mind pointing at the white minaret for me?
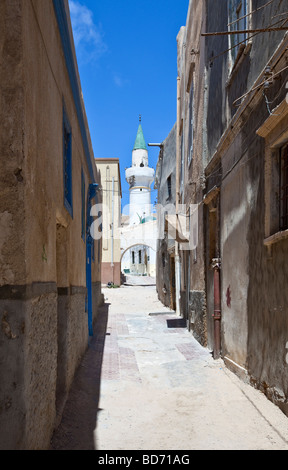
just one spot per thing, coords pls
(140, 177)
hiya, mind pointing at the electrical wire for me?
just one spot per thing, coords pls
(244, 41)
(219, 171)
(260, 84)
(280, 14)
(251, 13)
(244, 31)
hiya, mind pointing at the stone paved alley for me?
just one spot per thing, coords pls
(146, 384)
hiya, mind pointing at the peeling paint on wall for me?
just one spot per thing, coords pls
(228, 297)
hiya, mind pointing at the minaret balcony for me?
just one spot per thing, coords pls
(140, 176)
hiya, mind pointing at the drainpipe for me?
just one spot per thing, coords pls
(177, 258)
(92, 189)
(216, 265)
(112, 233)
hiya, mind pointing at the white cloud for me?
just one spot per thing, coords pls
(119, 81)
(88, 36)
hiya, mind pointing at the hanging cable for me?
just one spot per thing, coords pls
(260, 84)
(245, 40)
(251, 13)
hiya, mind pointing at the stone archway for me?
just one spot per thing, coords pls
(138, 236)
(135, 245)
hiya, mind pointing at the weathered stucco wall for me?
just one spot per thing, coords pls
(253, 278)
(216, 73)
(191, 71)
(236, 194)
(12, 242)
(43, 256)
(267, 298)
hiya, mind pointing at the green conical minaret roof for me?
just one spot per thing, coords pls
(140, 141)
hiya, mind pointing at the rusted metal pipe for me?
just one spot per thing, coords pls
(216, 264)
(177, 255)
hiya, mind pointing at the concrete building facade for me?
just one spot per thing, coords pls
(50, 277)
(231, 162)
(189, 165)
(109, 169)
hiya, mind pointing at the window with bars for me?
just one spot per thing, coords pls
(67, 163)
(284, 187)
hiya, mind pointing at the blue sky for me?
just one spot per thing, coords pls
(127, 58)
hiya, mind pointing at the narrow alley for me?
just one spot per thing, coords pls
(144, 225)
(146, 384)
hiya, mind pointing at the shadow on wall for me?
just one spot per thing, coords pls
(79, 419)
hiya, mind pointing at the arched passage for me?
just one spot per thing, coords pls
(135, 245)
(138, 249)
(139, 260)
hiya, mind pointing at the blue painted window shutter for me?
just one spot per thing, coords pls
(83, 206)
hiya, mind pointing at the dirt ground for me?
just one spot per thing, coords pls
(146, 384)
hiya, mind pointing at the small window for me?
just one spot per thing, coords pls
(133, 257)
(237, 16)
(191, 123)
(276, 175)
(165, 221)
(169, 187)
(140, 256)
(67, 163)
